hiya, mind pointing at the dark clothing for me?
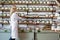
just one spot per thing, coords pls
(12, 39)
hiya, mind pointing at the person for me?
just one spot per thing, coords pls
(14, 23)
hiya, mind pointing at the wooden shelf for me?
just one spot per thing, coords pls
(11, 3)
(31, 23)
(36, 17)
(44, 11)
(30, 17)
(6, 16)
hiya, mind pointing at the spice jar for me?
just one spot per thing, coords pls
(46, 16)
(27, 2)
(20, 2)
(13, 2)
(48, 2)
(16, 1)
(23, 1)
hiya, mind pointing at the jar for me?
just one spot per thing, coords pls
(47, 21)
(13, 2)
(8, 14)
(30, 8)
(27, 2)
(22, 14)
(50, 22)
(51, 9)
(16, 1)
(30, 21)
(20, 1)
(41, 9)
(0, 14)
(42, 21)
(5, 21)
(24, 2)
(37, 21)
(6, 8)
(30, 2)
(51, 15)
(4, 14)
(24, 8)
(9, 1)
(48, 9)
(34, 8)
(28, 29)
(27, 9)
(25, 21)
(48, 2)
(37, 8)
(44, 2)
(34, 2)
(44, 8)
(37, 28)
(2, 8)
(41, 2)
(46, 15)
(37, 2)
(20, 8)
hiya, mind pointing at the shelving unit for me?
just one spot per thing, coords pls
(28, 9)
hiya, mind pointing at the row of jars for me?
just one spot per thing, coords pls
(37, 21)
(30, 2)
(32, 8)
(7, 14)
(31, 21)
(27, 0)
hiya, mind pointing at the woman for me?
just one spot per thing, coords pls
(14, 23)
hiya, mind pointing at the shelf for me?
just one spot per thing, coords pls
(36, 17)
(31, 23)
(5, 16)
(27, 3)
(44, 11)
(31, 17)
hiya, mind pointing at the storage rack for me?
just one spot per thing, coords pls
(19, 2)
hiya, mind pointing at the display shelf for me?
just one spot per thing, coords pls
(31, 23)
(37, 17)
(29, 3)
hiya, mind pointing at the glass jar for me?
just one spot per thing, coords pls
(37, 8)
(27, 2)
(34, 2)
(13, 2)
(16, 1)
(20, 2)
(48, 2)
(41, 2)
(30, 2)
(46, 15)
(23, 1)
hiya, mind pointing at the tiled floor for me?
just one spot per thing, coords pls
(29, 36)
